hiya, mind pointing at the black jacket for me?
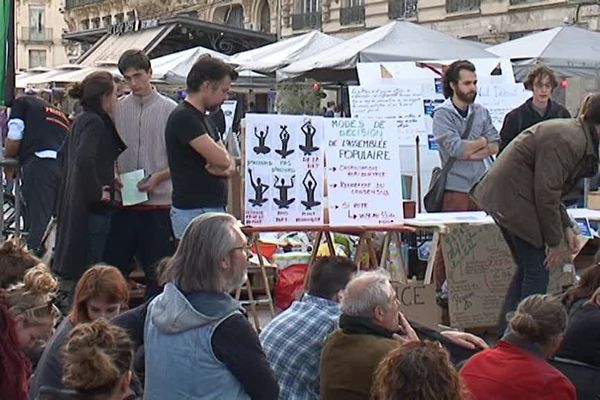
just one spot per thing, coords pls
(524, 116)
(87, 160)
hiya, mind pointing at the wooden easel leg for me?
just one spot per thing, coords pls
(265, 278)
(403, 263)
(371, 251)
(330, 244)
(252, 305)
(359, 250)
(385, 251)
(313, 256)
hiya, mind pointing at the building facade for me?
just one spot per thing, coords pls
(39, 26)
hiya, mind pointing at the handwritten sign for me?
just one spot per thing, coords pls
(417, 302)
(479, 268)
(403, 103)
(500, 99)
(363, 172)
(284, 170)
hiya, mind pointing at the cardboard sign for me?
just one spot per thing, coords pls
(479, 268)
(417, 302)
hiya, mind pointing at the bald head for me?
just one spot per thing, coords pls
(365, 292)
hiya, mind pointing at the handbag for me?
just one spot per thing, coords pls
(434, 198)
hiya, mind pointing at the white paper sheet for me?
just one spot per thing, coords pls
(129, 192)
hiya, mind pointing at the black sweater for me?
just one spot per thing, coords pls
(582, 339)
(525, 116)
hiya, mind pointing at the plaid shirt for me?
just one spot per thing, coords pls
(293, 342)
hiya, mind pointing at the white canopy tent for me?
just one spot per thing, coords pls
(396, 41)
(569, 50)
(173, 68)
(271, 57)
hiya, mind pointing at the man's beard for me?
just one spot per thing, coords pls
(468, 98)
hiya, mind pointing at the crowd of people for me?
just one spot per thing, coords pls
(67, 332)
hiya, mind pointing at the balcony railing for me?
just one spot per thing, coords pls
(70, 4)
(402, 9)
(519, 2)
(352, 15)
(462, 5)
(311, 20)
(30, 34)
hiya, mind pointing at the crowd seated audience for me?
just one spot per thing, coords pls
(27, 317)
(15, 260)
(574, 298)
(294, 339)
(101, 292)
(516, 368)
(417, 371)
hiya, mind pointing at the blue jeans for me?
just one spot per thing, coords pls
(531, 276)
(180, 219)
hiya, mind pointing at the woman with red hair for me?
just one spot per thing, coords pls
(101, 292)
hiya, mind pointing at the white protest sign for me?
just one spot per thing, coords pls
(228, 108)
(403, 103)
(500, 99)
(363, 172)
(284, 170)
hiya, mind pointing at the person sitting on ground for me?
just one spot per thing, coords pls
(101, 292)
(293, 340)
(582, 338)
(371, 325)
(417, 371)
(516, 368)
(97, 363)
(576, 296)
(197, 343)
(15, 260)
(27, 318)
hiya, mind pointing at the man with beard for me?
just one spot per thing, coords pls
(199, 162)
(473, 150)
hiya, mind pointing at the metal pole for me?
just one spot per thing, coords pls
(586, 191)
(418, 174)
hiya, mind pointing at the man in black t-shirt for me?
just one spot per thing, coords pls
(199, 162)
(36, 130)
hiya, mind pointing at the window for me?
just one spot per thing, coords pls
(234, 16)
(398, 9)
(85, 24)
(107, 21)
(462, 5)
(307, 15)
(353, 12)
(96, 23)
(36, 22)
(37, 58)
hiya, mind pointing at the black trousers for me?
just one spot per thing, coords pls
(146, 235)
(41, 181)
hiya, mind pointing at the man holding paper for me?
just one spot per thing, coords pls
(141, 226)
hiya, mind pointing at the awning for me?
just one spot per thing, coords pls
(109, 49)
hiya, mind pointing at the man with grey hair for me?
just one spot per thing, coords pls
(198, 344)
(371, 325)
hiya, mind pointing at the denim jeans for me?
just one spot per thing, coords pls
(531, 276)
(98, 230)
(181, 218)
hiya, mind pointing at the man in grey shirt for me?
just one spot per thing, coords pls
(473, 154)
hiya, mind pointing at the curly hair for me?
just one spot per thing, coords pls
(539, 72)
(589, 282)
(96, 356)
(15, 260)
(417, 371)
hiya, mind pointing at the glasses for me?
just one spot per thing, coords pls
(247, 248)
(543, 85)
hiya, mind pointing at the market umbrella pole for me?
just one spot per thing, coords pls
(7, 52)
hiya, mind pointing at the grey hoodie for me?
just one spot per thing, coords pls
(173, 312)
(448, 126)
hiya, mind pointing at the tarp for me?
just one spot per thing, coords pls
(396, 41)
(271, 57)
(175, 66)
(569, 50)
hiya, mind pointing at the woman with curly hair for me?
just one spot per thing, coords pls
(101, 292)
(417, 371)
(26, 319)
(575, 297)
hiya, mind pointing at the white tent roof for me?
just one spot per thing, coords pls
(173, 68)
(271, 57)
(396, 41)
(570, 50)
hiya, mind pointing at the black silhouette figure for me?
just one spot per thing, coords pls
(285, 139)
(259, 191)
(310, 185)
(262, 137)
(309, 134)
(283, 201)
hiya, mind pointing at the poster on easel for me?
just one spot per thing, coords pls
(284, 169)
(363, 172)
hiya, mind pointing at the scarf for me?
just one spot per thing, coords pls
(15, 368)
(362, 326)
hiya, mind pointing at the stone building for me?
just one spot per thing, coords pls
(39, 26)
